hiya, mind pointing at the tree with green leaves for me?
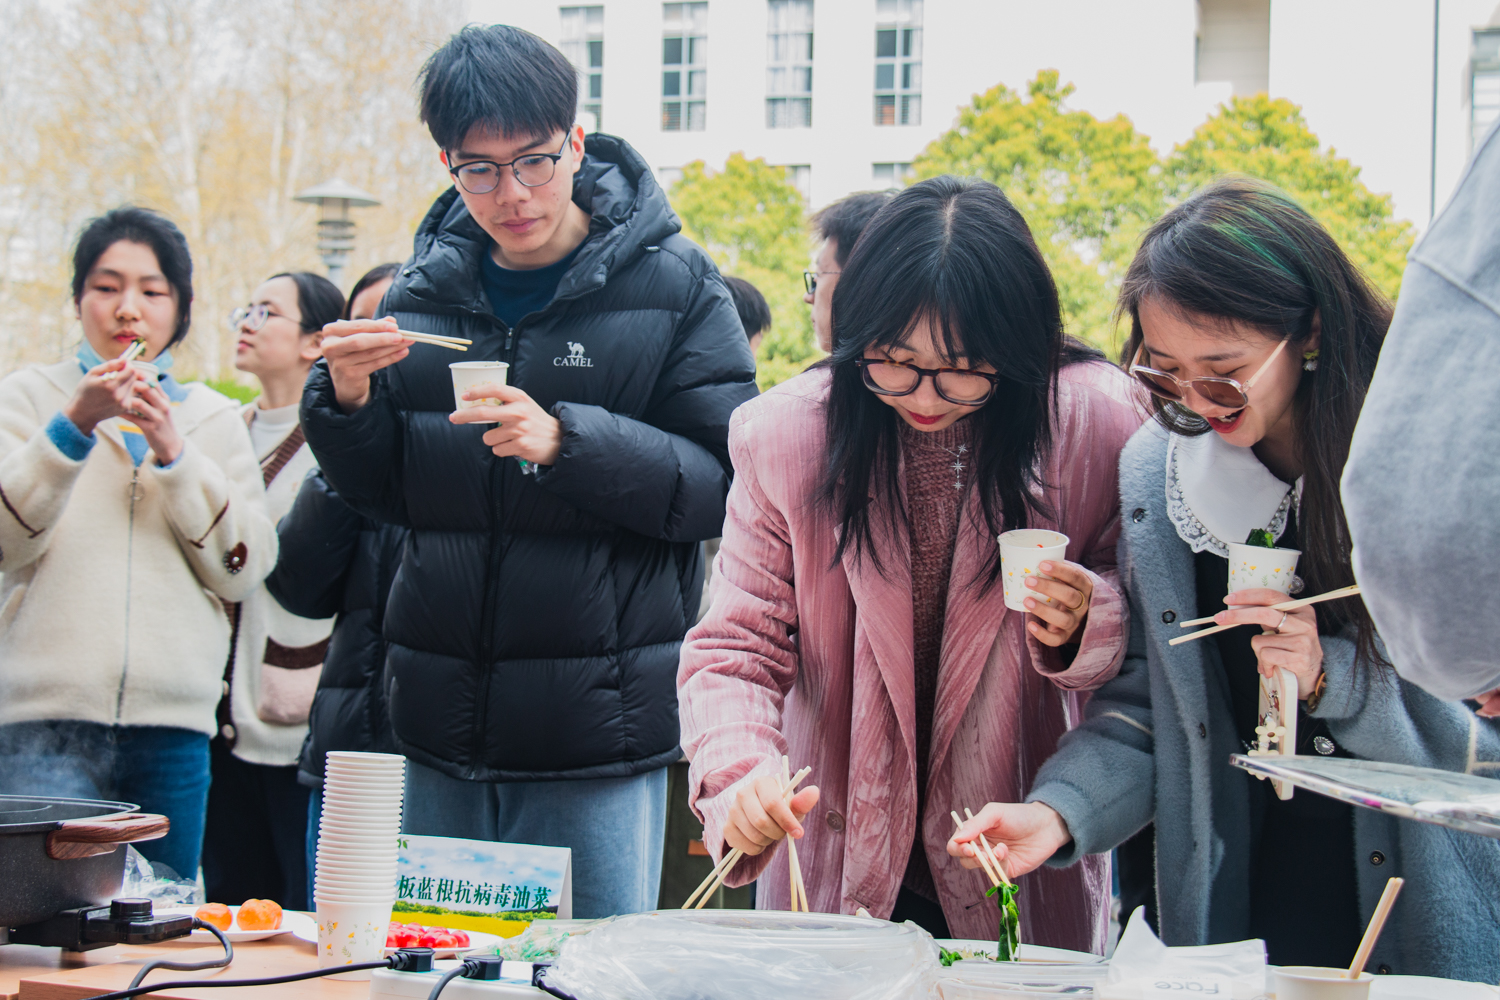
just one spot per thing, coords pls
(1088, 188)
(752, 221)
(1268, 138)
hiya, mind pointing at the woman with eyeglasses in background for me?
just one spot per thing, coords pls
(1257, 338)
(132, 507)
(255, 846)
(858, 623)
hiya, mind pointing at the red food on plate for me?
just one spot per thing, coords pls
(462, 938)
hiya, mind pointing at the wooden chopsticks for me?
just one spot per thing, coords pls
(135, 350)
(799, 888)
(1332, 595)
(1377, 924)
(452, 343)
(988, 859)
(721, 870)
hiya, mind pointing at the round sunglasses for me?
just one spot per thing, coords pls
(1217, 389)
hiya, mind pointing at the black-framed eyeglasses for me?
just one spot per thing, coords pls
(810, 279)
(961, 386)
(531, 170)
(254, 317)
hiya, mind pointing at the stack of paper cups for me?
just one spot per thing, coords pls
(355, 881)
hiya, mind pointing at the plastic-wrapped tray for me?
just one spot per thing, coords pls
(746, 955)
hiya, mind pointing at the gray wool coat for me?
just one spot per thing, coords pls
(1156, 742)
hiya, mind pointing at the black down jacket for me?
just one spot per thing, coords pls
(336, 562)
(534, 623)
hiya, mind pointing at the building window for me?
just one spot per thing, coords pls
(800, 177)
(898, 62)
(1484, 83)
(684, 67)
(889, 175)
(1233, 45)
(583, 44)
(789, 52)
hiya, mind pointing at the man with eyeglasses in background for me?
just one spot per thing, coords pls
(839, 226)
(554, 562)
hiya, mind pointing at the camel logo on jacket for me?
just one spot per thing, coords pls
(575, 358)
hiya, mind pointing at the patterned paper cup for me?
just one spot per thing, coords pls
(1021, 552)
(468, 374)
(1255, 566)
(352, 933)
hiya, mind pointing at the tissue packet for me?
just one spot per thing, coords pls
(1145, 969)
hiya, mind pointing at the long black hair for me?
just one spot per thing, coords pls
(150, 229)
(956, 253)
(1245, 251)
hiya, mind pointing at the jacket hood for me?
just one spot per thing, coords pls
(627, 208)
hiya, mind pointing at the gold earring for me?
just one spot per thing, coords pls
(1310, 361)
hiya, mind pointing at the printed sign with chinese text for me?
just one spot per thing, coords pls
(481, 885)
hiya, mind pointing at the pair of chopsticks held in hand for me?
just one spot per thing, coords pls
(452, 343)
(985, 854)
(1332, 595)
(135, 350)
(710, 885)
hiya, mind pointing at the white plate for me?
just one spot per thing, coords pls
(1425, 988)
(478, 941)
(1029, 952)
(291, 921)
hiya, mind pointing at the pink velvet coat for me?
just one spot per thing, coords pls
(806, 656)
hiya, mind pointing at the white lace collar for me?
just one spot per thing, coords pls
(1217, 493)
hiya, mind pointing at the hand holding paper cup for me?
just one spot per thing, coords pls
(1021, 554)
(468, 374)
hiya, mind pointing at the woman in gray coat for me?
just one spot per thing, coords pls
(1256, 337)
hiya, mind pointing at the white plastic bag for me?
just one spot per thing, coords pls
(1145, 969)
(747, 955)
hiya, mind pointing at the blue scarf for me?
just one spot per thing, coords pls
(135, 441)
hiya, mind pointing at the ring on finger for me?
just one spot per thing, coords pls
(1277, 629)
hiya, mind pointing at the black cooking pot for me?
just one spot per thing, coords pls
(57, 854)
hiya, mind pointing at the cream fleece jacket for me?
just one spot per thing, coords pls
(261, 618)
(109, 607)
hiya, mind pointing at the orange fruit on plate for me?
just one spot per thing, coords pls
(260, 915)
(215, 913)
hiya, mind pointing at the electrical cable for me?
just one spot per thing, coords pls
(162, 963)
(448, 977)
(186, 984)
(483, 967)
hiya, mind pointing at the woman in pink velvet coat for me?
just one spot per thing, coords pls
(857, 621)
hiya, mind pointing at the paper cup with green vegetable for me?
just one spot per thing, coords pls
(1255, 566)
(1021, 554)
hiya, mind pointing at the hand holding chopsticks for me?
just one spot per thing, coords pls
(722, 869)
(1332, 595)
(988, 859)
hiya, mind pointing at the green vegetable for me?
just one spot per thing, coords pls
(1261, 537)
(949, 957)
(1010, 922)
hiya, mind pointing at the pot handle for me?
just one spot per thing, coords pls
(84, 838)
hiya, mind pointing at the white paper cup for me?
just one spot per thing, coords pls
(365, 807)
(369, 758)
(1305, 982)
(148, 372)
(1255, 566)
(352, 933)
(1021, 552)
(467, 374)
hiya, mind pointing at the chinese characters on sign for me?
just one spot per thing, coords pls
(461, 891)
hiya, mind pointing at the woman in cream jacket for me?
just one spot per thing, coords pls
(130, 507)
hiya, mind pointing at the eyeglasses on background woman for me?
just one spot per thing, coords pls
(960, 386)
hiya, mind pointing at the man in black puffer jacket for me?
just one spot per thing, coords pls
(553, 562)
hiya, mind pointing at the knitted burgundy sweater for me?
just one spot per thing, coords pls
(937, 477)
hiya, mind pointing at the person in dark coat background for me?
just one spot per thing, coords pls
(553, 562)
(336, 562)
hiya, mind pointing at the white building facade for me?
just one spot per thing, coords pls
(846, 93)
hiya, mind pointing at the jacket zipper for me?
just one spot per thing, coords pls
(135, 478)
